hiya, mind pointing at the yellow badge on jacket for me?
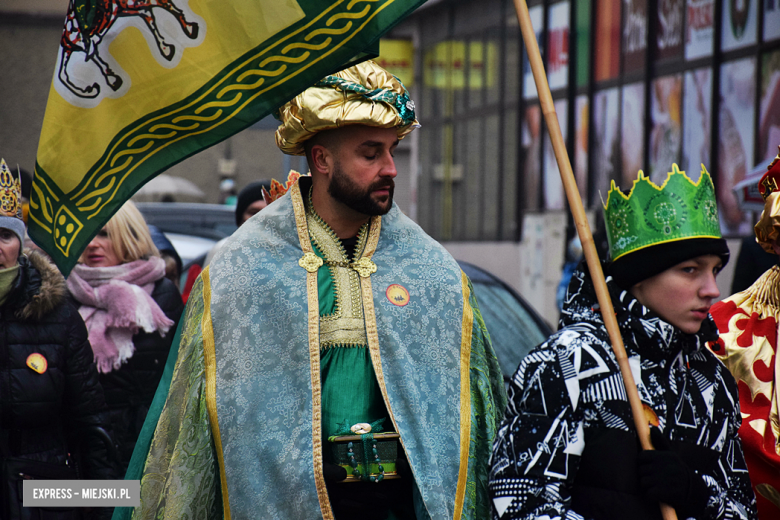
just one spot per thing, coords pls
(37, 362)
(397, 295)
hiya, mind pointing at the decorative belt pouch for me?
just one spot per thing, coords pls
(352, 451)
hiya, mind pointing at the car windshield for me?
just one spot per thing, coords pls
(513, 331)
(514, 327)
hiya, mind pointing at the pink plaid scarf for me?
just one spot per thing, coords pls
(116, 304)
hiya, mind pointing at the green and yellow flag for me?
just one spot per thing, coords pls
(139, 87)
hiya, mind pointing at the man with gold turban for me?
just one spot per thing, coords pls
(331, 346)
(748, 325)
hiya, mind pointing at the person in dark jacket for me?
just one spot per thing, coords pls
(54, 422)
(131, 311)
(568, 447)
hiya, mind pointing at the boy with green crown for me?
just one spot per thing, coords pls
(567, 448)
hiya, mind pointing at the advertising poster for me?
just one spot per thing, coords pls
(607, 39)
(581, 119)
(697, 121)
(769, 117)
(771, 20)
(666, 126)
(632, 129)
(558, 45)
(529, 87)
(606, 143)
(553, 186)
(699, 28)
(669, 40)
(532, 155)
(735, 140)
(740, 24)
(634, 35)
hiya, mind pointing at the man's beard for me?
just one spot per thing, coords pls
(343, 190)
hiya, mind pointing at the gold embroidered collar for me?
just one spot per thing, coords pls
(346, 326)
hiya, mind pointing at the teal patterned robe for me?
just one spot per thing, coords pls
(240, 434)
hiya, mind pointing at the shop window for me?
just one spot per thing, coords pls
(739, 24)
(557, 66)
(580, 166)
(665, 140)
(607, 59)
(735, 140)
(553, 187)
(632, 132)
(699, 28)
(605, 144)
(697, 121)
(634, 36)
(769, 116)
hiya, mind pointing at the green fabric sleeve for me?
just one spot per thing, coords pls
(488, 402)
(181, 479)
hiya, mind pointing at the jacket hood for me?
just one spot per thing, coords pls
(40, 287)
(637, 323)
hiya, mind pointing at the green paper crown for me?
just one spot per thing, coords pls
(680, 209)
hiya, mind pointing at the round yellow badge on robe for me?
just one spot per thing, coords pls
(397, 295)
(37, 362)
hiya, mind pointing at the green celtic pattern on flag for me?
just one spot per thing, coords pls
(245, 91)
(651, 215)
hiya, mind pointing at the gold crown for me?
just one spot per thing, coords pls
(10, 193)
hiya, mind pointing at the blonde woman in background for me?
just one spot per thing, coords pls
(131, 311)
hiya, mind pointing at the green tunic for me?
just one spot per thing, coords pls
(350, 392)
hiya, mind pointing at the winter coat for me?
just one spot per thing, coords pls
(45, 416)
(567, 447)
(130, 389)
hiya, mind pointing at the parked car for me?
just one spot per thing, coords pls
(192, 228)
(515, 327)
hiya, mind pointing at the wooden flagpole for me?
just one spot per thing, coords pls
(583, 230)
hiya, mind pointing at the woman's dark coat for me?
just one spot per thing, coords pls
(46, 416)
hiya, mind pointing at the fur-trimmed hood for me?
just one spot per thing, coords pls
(40, 287)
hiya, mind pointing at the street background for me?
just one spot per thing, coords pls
(638, 84)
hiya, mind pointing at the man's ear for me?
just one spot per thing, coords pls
(322, 160)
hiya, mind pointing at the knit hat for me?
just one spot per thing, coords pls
(251, 193)
(634, 267)
(11, 202)
(654, 228)
(365, 94)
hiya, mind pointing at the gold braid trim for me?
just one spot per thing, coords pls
(314, 354)
(210, 360)
(764, 295)
(371, 329)
(370, 316)
(465, 398)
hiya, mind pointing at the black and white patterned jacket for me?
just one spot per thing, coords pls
(567, 446)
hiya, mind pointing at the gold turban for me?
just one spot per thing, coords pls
(768, 227)
(365, 94)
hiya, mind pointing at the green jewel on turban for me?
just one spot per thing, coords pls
(680, 209)
(365, 94)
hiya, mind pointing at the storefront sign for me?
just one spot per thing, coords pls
(634, 35)
(397, 56)
(670, 29)
(699, 29)
(458, 65)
